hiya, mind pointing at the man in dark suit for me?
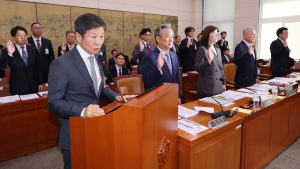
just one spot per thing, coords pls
(142, 49)
(280, 54)
(76, 80)
(119, 68)
(24, 61)
(65, 47)
(188, 49)
(111, 61)
(44, 46)
(161, 65)
(2, 72)
(176, 46)
(223, 43)
(225, 56)
(245, 60)
(199, 39)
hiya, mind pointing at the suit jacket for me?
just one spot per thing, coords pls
(224, 60)
(59, 50)
(114, 73)
(102, 53)
(209, 74)
(177, 51)
(152, 76)
(141, 55)
(246, 72)
(111, 62)
(70, 90)
(224, 46)
(187, 55)
(280, 57)
(46, 59)
(23, 77)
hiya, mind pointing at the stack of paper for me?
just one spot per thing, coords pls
(9, 99)
(185, 112)
(241, 110)
(205, 109)
(211, 100)
(190, 126)
(29, 96)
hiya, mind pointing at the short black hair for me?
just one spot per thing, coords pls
(35, 23)
(223, 32)
(114, 50)
(88, 21)
(14, 30)
(126, 59)
(120, 54)
(188, 29)
(177, 36)
(280, 30)
(144, 31)
(69, 31)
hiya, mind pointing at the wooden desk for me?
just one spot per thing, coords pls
(212, 148)
(26, 127)
(266, 70)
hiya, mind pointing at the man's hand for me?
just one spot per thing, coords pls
(188, 42)
(93, 110)
(285, 44)
(160, 61)
(251, 49)
(126, 97)
(40, 88)
(222, 41)
(258, 81)
(63, 47)
(179, 101)
(142, 45)
(10, 47)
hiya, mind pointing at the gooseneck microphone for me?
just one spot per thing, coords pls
(223, 80)
(225, 113)
(103, 63)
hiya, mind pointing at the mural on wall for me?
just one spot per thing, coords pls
(55, 20)
(15, 15)
(114, 38)
(122, 33)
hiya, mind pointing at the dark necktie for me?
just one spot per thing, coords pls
(24, 55)
(93, 74)
(148, 47)
(120, 73)
(169, 63)
(38, 45)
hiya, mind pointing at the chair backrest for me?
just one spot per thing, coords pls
(4, 81)
(7, 72)
(229, 71)
(130, 84)
(134, 69)
(4, 90)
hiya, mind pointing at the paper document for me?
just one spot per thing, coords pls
(185, 112)
(29, 96)
(249, 91)
(280, 80)
(9, 99)
(190, 126)
(206, 109)
(43, 94)
(211, 100)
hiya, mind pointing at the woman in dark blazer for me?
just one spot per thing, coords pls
(208, 63)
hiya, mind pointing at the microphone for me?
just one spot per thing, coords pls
(225, 113)
(103, 63)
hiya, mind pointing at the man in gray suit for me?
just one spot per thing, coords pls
(143, 48)
(76, 80)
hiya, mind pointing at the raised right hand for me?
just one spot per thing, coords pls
(160, 61)
(63, 46)
(188, 42)
(93, 110)
(10, 47)
(251, 49)
(141, 44)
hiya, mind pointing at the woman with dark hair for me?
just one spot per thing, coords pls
(208, 63)
(2, 72)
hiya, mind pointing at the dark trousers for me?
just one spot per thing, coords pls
(67, 158)
(278, 74)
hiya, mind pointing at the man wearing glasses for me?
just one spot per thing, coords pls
(143, 48)
(24, 61)
(44, 46)
(245, 59)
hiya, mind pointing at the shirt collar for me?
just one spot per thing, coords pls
(162, 51)
(281, 40)
(34, 39)
(82, 52)
(118, 67)
(248, 44)
(19, 47)
(145, 42)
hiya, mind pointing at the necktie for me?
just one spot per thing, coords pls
(120, 73)
(93, 74)
(38, 45)
(168, 60)
(24, 55)
(148, 47)
(71, 47)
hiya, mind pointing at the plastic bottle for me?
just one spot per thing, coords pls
(255, 102)
(274, 92)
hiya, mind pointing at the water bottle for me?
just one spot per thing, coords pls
(274, 92)
(255, 102)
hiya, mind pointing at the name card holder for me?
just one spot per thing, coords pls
(217, 122)
(290, 92)
(267, 102)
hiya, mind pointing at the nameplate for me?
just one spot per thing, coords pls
(267, 102)
(290, 92)
(217, 122)
(1, 88)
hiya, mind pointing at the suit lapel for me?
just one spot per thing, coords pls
(101, 74)
(80, 65)
(30, 56)
(31, 42)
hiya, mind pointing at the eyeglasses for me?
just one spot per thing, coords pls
(253, 34)
(39, 28)
(234, 112)
(21, 35)
(147, 34)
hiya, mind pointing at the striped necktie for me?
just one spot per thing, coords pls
(169, 63)
(38, 45)
(24, 55)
